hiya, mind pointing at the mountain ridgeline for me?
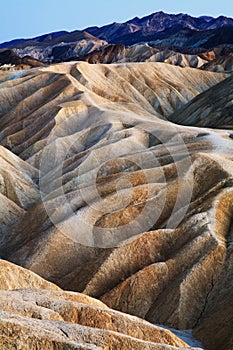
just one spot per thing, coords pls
(138, 39)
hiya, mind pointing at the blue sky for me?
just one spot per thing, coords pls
(28, 18)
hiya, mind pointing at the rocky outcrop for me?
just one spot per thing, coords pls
(216, 322)
(9, 59)
(220, 64)
(16, 277)
(52, 319)
(42, 334)
(118, 53)
(42, 316)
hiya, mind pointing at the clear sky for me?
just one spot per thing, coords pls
(28, 18)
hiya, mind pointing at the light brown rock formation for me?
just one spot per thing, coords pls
(53, 319)
(134, 210)
(178, 59)
(17, 190)
(49, 318)
(118, 53)
(16, 277)
(30, 333)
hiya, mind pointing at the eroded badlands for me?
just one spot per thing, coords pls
(102, 195)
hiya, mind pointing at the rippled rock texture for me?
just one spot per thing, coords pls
(49, 318)
(101, 194)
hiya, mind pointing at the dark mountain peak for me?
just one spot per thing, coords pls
(12, 42)
(222, 21)
(133, 20)
(222, 17)
(206, 18)
(160, 13)
(49, 36)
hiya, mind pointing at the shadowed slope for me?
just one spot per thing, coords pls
(220, 64)
(212, 108)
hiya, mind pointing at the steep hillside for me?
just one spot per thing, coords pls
(212, 108)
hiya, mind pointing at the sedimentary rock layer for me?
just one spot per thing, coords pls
(49, 318)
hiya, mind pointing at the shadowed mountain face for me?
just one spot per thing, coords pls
(137, 29)
(212, 108)
(116, 42)
(56, 47)
(101, 194)
(10, 59)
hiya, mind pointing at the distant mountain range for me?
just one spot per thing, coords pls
(157, 26)
(159, 31)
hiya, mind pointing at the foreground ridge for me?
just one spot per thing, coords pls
(53, 319)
